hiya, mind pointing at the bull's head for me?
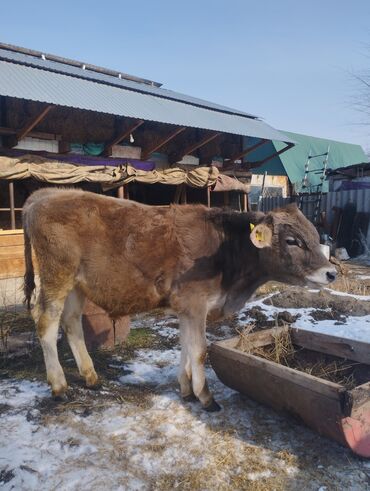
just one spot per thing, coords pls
(290, 248)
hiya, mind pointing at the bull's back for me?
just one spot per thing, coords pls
(124, 256)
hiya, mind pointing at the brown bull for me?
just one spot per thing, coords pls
(129, 258)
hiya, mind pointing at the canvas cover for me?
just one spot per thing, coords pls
(54, 172)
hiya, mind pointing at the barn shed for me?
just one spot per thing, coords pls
(285, 172)
(66, 122)
(60, 117)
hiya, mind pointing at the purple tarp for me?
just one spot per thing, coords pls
(88, 159)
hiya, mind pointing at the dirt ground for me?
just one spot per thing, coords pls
(135, 432)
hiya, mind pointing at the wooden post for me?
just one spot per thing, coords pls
(209, 196)
(245, 202)
(184, 196)
(226, 198)
(121, 192)
(12, 209)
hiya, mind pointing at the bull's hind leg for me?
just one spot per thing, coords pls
(47, 314)
(72, 325)
(193, 340)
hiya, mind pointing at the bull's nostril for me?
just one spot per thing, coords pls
(331, 275)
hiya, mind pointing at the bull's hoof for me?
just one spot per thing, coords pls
(189, 398)
(92, 380)
(212, 407)
(96, 386)
(60, 395)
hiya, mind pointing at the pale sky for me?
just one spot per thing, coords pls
(289, 62)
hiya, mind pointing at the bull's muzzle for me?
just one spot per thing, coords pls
(322, 276)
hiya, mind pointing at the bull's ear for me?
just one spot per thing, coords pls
(261, 236)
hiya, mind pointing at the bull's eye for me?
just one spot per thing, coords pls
(291, 241)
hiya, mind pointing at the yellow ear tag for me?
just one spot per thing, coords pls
(251, 226)
(260, 236)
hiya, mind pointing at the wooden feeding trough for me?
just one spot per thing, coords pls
(338, 409)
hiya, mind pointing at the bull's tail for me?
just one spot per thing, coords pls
(29, 276)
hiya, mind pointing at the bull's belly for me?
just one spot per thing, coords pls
(125, 297)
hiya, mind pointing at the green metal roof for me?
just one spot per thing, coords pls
(292, 162)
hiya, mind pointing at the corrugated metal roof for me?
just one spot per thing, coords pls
(144, 87)
(293, 162)
(26, 82)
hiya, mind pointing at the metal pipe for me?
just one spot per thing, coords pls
(12, 208)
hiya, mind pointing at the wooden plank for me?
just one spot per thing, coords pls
(303, 379)
(11, 268)
(319, 404)
(229, 343)
(5, 130)
(333, 345)
(12, 232)
(121, 136)
(160, 143)
(255, 339)
(23, 132)
(14, 267)
(262, 338)
(8, 209)
(246, 151)
(11, 240)
(12, 251)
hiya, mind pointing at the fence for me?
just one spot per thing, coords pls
(360, 197)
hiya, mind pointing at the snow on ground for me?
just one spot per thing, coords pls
(156, 441)
(344, 294)
(355, 327)
(166, 445)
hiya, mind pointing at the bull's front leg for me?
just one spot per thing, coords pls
(193, 356)
(184, 376)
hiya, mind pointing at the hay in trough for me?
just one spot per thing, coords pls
(284, 352)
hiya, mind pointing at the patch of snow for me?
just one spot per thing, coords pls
(152, 367)
(344, 294)
(22, 393)
(255, 476)
(168, 332)
(363, 277)
(355, 327)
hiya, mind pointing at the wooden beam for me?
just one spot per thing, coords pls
(246, 151)
(195, 146)
(121, 136)
(160, 143)
(4, 130)
(23, 132)
(275, 154)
